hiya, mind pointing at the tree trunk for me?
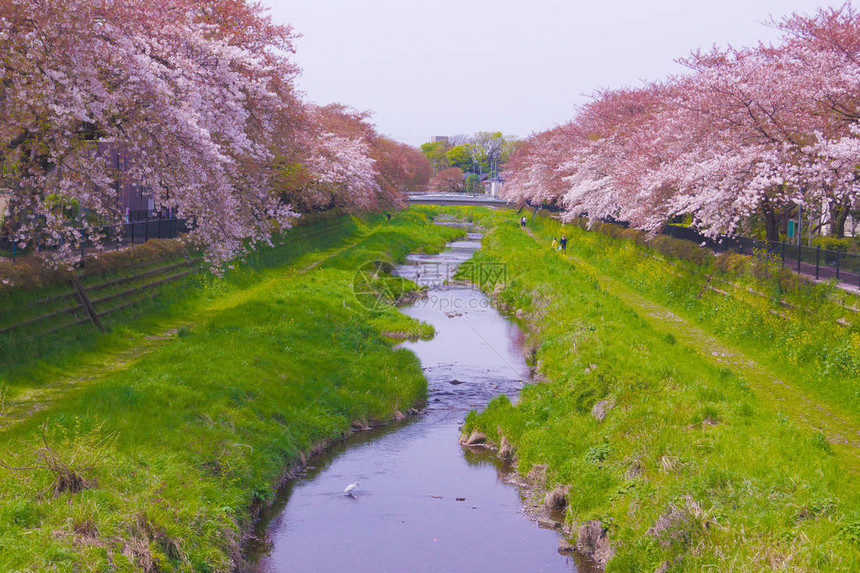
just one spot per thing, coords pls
(771, 222)
(838, 215)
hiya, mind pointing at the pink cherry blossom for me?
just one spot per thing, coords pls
(198, 95)
(747, 132)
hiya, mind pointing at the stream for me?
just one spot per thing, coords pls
(424, 503)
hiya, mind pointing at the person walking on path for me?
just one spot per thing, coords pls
(523, 223)
(563, 243)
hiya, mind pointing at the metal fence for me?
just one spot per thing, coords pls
(111, 237)
(811, 261)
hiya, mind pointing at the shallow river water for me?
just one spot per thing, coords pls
(424, 503)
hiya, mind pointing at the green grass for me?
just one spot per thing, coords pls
(804, 342)
(691, 466)
(32, 360)
(182, 443)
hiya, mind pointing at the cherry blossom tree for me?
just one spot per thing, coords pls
(198, 94)
(824, 51)
(533, 171)
(612, 173)
(401, 167)
(747, 134)
(394, 165)
(736, 137)
(343, 174)
(771, 123)
(336, 164)
(448, 180)
(191, 89)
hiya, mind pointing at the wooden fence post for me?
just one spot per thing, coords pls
(85, 301)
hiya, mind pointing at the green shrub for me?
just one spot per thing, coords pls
(844, 245)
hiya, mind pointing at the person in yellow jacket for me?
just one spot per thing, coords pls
(554, 244)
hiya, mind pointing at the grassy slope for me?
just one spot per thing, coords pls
(40, 369)
(32, 360)
(803, 342)
(741, 485)
(799, 359)
(184, 441)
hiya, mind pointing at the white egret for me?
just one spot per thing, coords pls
(350, 488)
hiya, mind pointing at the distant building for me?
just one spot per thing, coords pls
(135, 202)
(436, 138)
(494, 185)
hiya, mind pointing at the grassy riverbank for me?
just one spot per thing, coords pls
(174, 448)
(31, 359)
(672, 445)
(807, 332)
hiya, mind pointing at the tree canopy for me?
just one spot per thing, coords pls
(746, 134)
(200, 97)
(484, 152)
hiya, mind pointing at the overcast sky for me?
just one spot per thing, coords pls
(449, 67)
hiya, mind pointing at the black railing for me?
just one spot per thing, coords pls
(813, 261)
(110, 237)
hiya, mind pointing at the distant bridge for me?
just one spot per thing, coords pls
(479, 200)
